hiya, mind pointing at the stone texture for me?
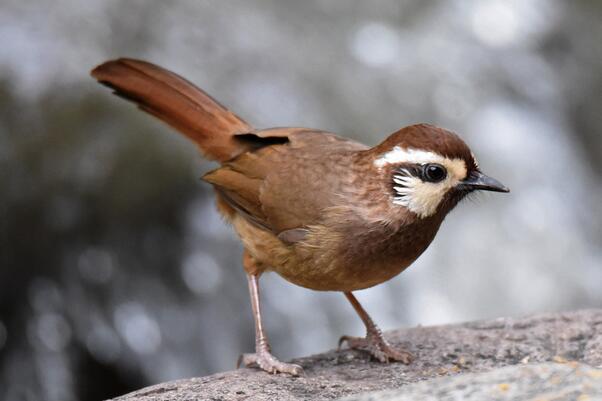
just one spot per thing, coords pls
(441, 351)
(545, 381)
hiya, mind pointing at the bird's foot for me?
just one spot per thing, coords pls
(268, 362)
(378, 347)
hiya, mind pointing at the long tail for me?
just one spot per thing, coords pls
(180, 104)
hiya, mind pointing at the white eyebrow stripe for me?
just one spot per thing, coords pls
(409, 155)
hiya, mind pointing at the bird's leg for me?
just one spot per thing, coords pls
(263, 356)
(374, 342)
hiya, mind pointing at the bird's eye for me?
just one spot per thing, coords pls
(433, 172)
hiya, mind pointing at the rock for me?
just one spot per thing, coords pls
(450, 350)
(544, 381)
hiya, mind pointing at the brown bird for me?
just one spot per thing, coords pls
(325, 212)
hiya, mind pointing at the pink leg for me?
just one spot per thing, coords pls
(263, 356)
(374, 342)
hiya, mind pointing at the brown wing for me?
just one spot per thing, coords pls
(286, 186)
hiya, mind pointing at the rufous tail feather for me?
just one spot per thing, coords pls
(180, 104)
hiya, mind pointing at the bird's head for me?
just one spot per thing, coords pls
(428, 170)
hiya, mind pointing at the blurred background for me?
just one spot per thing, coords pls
(116, 271)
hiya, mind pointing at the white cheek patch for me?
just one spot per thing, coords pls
(422, 198)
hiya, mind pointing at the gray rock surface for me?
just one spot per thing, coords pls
(449, 350)
(544, 381)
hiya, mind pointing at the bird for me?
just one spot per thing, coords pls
(324, 212)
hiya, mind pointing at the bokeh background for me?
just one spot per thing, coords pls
(116, 271)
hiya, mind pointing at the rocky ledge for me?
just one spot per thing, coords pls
(550, 356)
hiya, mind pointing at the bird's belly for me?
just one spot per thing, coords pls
(316, 265)
(330, 260)
(317, 275)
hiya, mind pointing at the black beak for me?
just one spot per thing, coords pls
(479, 181)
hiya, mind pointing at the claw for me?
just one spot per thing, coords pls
(341, 341)
(378, 347)
(269, 363)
